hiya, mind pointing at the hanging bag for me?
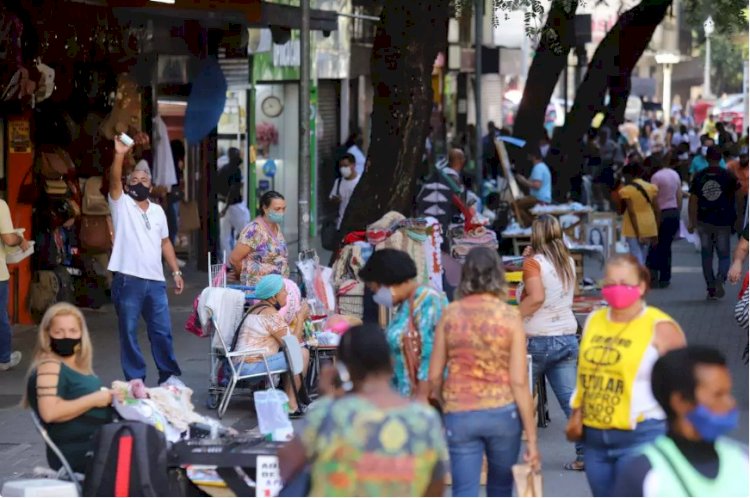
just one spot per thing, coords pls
(190, 219)
(411, 346)
(94, 202)
(53, 162)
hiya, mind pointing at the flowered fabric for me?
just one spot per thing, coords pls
(478, 331)
(268, 253)
(357, 449)
(428, 308)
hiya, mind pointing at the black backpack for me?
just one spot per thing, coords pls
(130, 459)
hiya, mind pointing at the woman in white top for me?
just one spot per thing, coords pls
(547, 310)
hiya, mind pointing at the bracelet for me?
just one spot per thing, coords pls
(177, 273)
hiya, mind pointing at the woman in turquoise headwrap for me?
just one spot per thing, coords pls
(264, 328)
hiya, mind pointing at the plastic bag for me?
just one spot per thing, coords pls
(272, 407)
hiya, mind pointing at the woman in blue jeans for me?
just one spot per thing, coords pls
(547, 309)
(479, 374)
(614, 409)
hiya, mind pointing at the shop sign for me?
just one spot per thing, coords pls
(19, 137)
(267, 477)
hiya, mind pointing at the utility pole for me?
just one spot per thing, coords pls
(303, 219)
(708, 30)
(478, 32)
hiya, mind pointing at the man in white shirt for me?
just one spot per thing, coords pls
(138, 288)
(344, 187)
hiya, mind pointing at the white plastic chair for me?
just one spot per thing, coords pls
(66, 468)
(232, 357)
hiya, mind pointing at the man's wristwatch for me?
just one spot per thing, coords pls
(177, 273)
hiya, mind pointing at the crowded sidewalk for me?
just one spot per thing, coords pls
(704, 322)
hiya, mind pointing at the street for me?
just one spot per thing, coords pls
(21, 448)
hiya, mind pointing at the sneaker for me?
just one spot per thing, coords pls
(711, 296)
(720, 292)
(15, 359)
(173, 381)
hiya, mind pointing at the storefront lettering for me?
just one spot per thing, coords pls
(287, 55)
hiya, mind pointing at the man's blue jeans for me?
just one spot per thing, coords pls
(471, 435)
(134, 297)
(714, 238)
(5, 330)
(556, 358)
(608, 450)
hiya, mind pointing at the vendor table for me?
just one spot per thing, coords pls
(318, 353)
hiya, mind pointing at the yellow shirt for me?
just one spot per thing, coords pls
(612, 356)
(6, 227)
(644, 213)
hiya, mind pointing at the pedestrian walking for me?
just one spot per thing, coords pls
(391, 275)
(344, 187)
(366, 440)
(9, 237)
(669, 200)
(693, 386)
(640, 211)
(546, 306)
(712, 213)
(479, 375)
(614, 410)
(138, 286)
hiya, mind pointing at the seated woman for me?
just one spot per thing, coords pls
(62, 388)
(264, 328)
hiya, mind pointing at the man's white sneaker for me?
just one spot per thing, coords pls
(173, 381)
(15, 359)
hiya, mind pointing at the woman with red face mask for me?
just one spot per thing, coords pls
(614, 409)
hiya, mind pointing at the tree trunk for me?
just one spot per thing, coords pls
(558, 37)
(617, 54)
(619, 91)
(408, 38)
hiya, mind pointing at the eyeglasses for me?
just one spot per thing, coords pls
(145, 218)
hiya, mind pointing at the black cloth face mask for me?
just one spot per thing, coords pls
(139, 192)
(64, 347)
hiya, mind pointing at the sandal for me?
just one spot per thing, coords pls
(576, 465)
(297, 414)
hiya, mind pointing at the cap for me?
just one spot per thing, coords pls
(269, 286)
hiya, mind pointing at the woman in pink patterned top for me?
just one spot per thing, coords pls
(261, 248)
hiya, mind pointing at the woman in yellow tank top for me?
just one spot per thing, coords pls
(614, 410)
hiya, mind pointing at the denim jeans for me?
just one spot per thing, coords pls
(607, 450)
(173, 219)
(556, 358)
(714, 238)
(5, 330)
(275, 362)
(134, 297)
(472, 434)
(660, 256)
(637, 249)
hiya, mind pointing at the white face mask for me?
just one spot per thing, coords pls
(704, 150)
(345, 171)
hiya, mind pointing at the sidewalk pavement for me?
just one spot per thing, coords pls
(704, 322)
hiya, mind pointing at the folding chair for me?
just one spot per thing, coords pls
(74, 478)
(226, 353)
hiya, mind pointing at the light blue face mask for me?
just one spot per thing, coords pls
(383, 297)
(277, 218)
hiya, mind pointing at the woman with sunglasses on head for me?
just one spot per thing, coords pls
(614, 409)
(366, 440)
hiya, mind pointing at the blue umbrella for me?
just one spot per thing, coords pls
(206, 102)
(518, 142)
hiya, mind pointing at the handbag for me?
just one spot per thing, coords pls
(55, 188)
(54, 163)
(411, 346)
(190, 219)
(94, 202)
(28, 193)
(95, 233)
(528, 482)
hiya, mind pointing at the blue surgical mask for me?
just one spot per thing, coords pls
(277, 218)
(711, 425)
(383, 297)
